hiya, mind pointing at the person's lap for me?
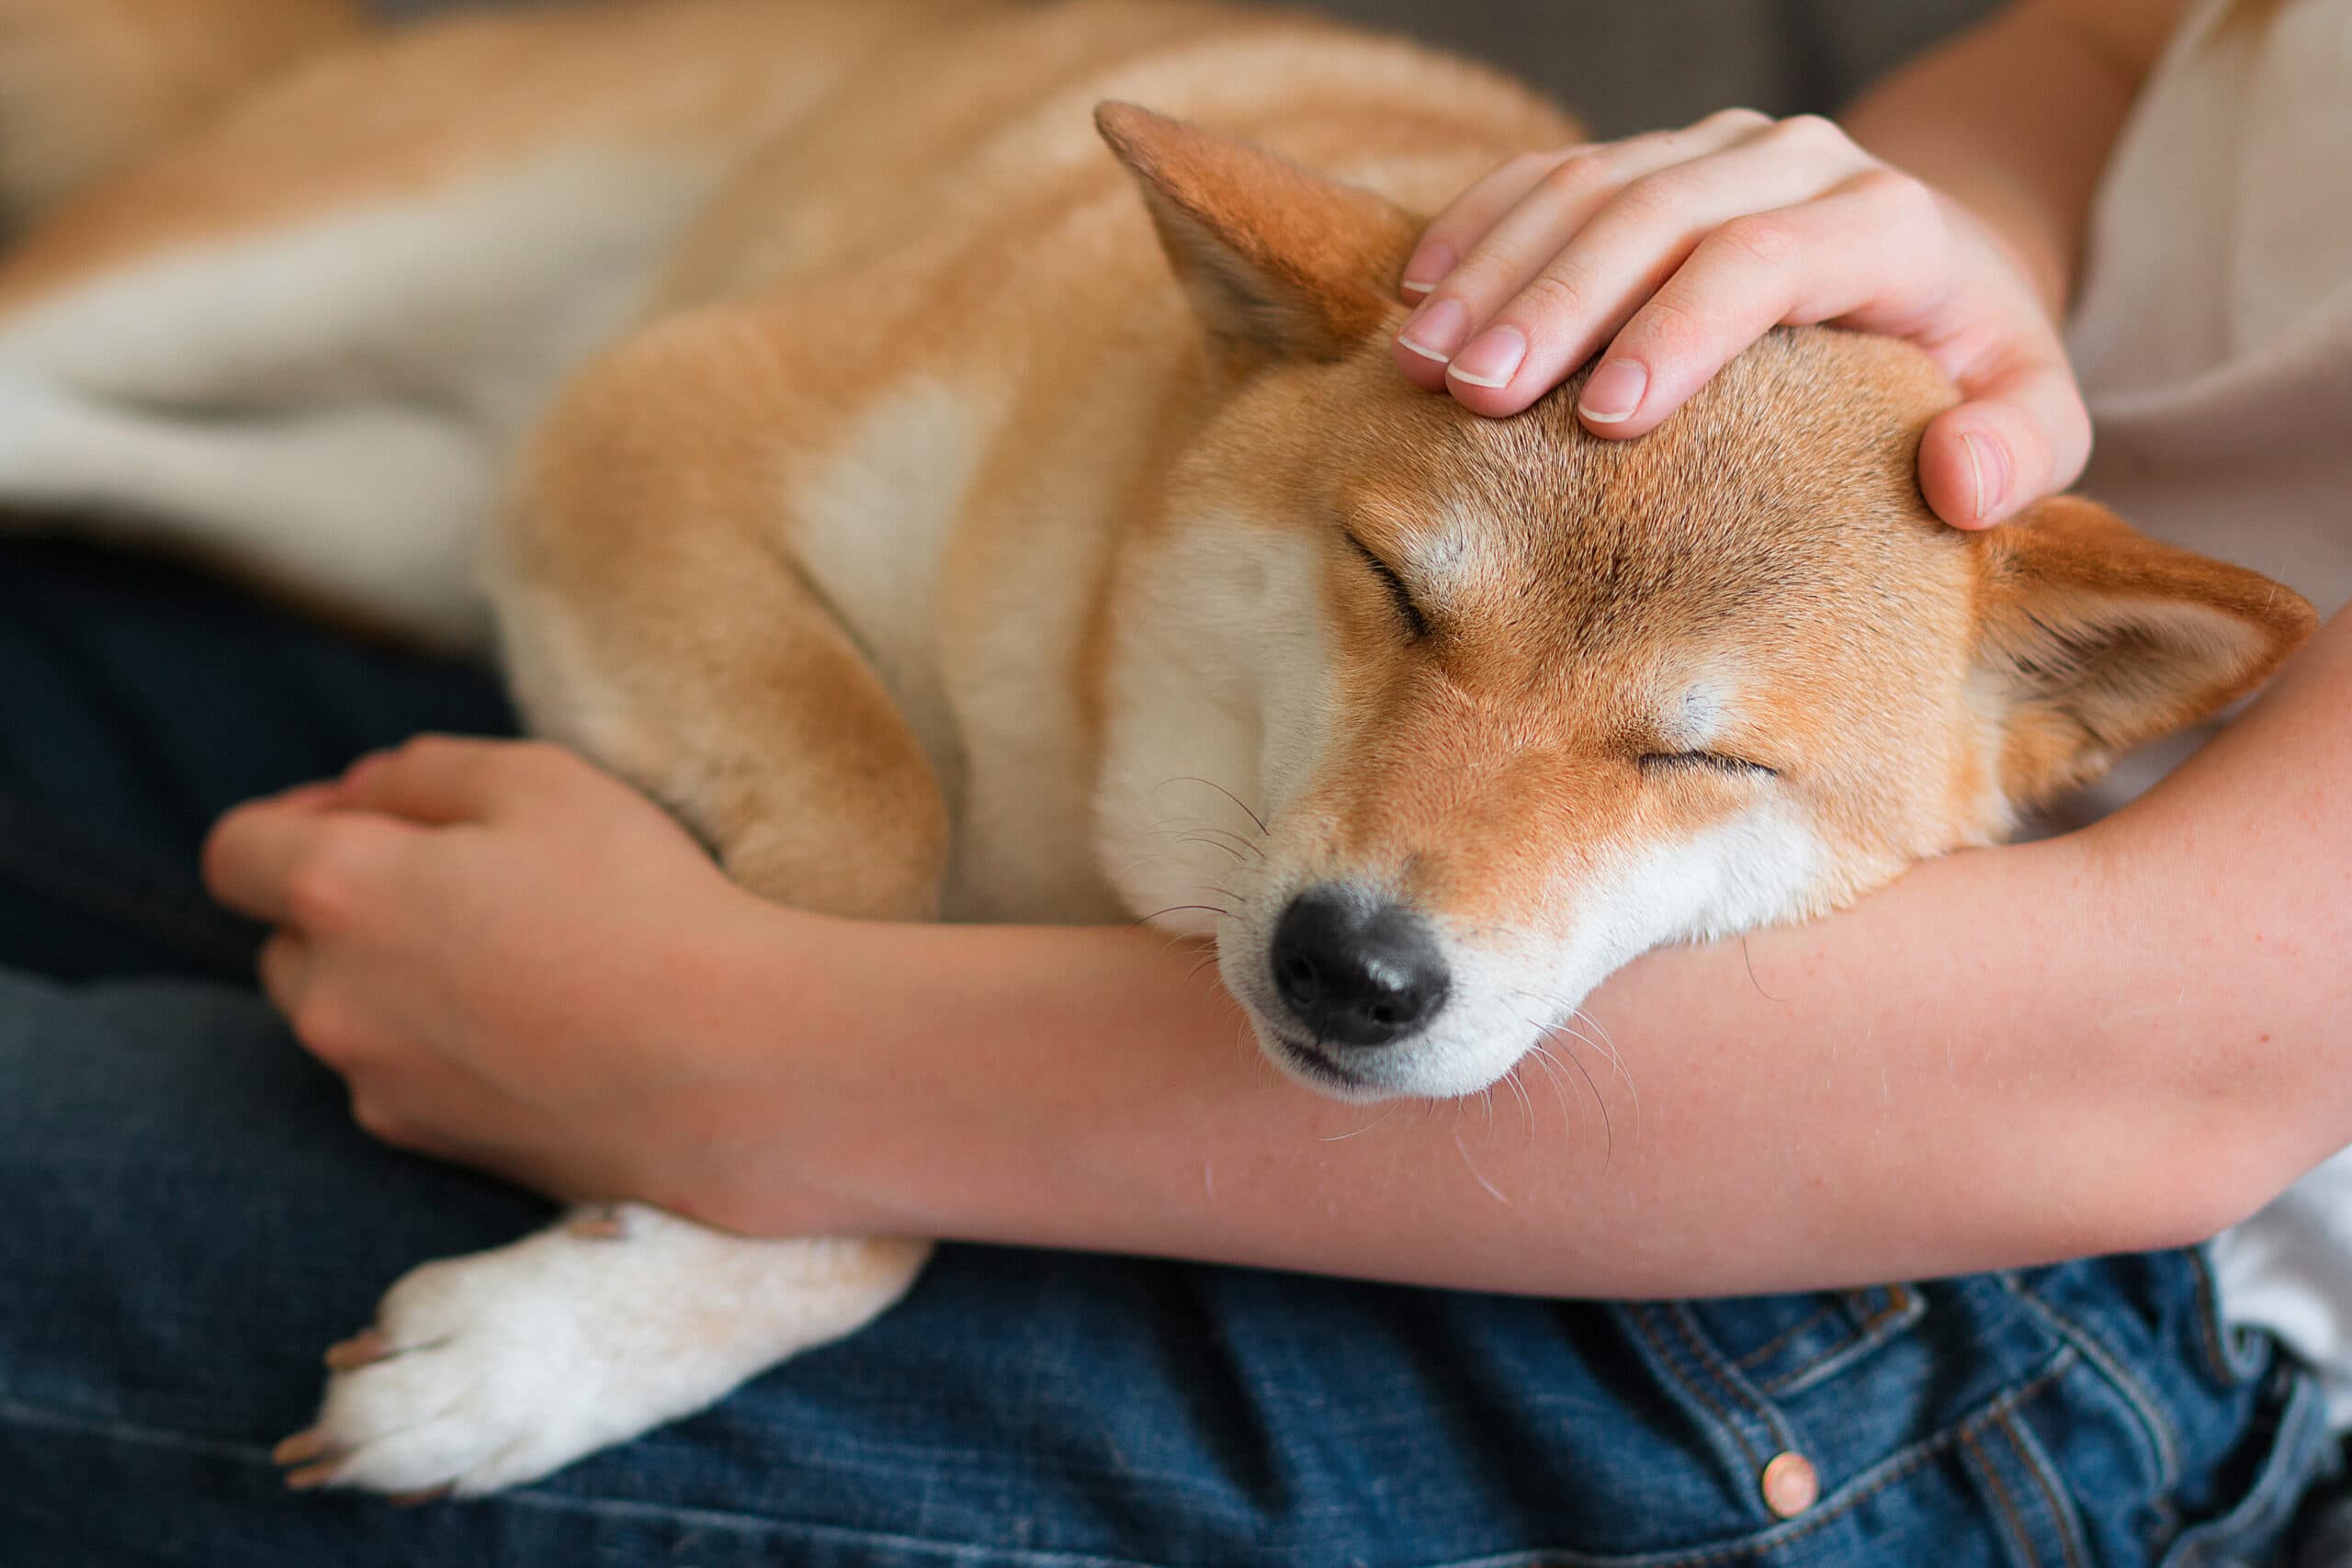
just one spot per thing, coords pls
(191, 1219)
(137, 703)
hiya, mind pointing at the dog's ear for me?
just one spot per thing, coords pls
(1277, 260)
(2096, 639)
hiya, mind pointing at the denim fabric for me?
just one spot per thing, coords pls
(189, 1219)
(137, 703)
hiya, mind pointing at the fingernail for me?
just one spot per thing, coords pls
(1615, 391)
(1492, 358)
(1988, 466)
(1436, 330)
(1427, 269)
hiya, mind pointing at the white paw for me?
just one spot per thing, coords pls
(488, 1372)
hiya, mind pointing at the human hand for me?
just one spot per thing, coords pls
(1675, 251)
(517, 963)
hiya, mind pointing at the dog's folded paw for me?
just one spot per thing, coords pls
(481, 1373)
(488, 1372)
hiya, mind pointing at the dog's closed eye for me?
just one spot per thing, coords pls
(1650, 761)
(1415, 621)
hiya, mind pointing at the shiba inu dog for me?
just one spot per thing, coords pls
(959, 493)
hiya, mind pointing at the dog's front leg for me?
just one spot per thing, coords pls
(687, 656)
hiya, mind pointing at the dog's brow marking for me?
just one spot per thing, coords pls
(1698, 718)
(1444, 557)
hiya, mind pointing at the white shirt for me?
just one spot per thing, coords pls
(2214, 342)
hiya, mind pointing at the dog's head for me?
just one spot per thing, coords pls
(1503, 706)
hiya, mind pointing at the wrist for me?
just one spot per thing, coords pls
(856, 1084)
(2004, 224)
(749, 1014)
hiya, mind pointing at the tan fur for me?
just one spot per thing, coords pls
(727, 664)
(974, 525)
(2252, 13)
(407, 111)
(87, 86)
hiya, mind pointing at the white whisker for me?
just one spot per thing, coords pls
(1471, 1167)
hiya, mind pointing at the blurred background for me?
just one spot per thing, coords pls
(1627, 65)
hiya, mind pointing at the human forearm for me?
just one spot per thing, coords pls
(2016, 118)
(2095, 1045)
(2122, 1039)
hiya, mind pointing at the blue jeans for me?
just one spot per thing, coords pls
(186, 1218)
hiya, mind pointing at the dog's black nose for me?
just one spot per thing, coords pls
(1355, 968)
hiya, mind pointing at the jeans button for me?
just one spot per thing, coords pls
(1789, 1485)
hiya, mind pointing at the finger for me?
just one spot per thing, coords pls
(439, 780)
(1821, 260)
(1467, 217)
(1503, 231)
(1515, 243)
(2023, 435)
(1428, 337)
(321, 796)
(1630, 249)
(321, 870)
(286, 965)
(250, 855)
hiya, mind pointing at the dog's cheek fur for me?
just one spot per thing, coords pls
(1220, 705)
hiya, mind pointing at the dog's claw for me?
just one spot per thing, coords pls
(309, 1477)
(604, 1224)
(359, 1351)
(311, 1458)
(301, 1448)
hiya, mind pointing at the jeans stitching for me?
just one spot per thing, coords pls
(1898, 1303)
(1671, 1361)
(2018, 1535)
(2162, 1441)
(1903, 1309)
(2054, 1497)
(2225, 1368)
(1738, 1387)
(1773, 1346)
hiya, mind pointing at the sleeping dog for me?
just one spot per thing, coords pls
(959, 493)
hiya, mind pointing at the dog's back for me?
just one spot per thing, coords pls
(426, 229)
(878, 247)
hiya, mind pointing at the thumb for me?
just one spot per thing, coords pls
(2022, 434)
